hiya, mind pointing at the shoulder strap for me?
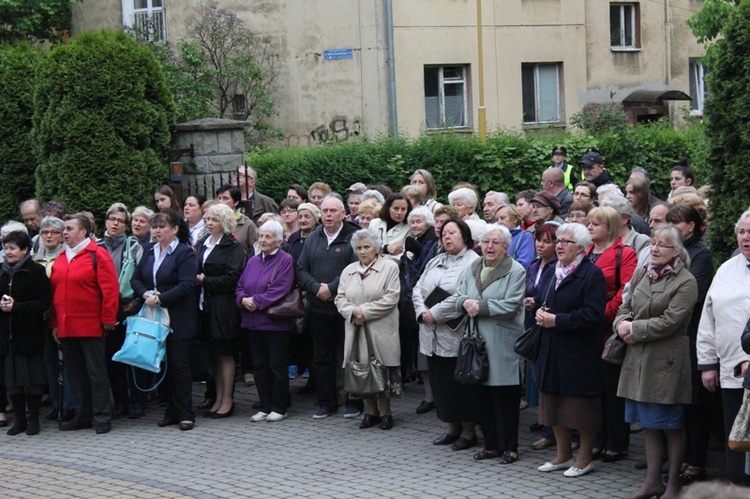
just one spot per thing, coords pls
(618, 265)
(93, 260)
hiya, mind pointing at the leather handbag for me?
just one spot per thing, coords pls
(145, 343)
(739, 437)
(290, 306)
(527, 345)
(366, 377)
(472, 364)
(614, 349)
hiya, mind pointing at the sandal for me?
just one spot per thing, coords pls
(486, 454)
(692, 474)
(508, 457)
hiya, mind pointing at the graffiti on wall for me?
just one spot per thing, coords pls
(339, 129)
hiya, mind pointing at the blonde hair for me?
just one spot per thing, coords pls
(225, 215)
(370, 207)
(610, 217)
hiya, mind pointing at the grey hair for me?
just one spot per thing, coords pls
(424, 212)
(639, 170)
(503, 198)
(372, 193)
(13, 226)
(273, 227)
(619, 203)
(335, 196)
(580, 234)
(466, 195)
(52, 223)
(673, 236)
(739, 222)
(505, 236)
(119, 208)
(225, 215)
(143, 212)
(364, 235)
(605, 189)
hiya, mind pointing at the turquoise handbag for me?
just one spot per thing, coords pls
(145, 344)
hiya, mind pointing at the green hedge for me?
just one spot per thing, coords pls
(507, 162)
(18, 66)
(101, 124)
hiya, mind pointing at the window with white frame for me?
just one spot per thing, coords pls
(445, 97)
(146, 16)
(624, 25)
(698, 90)
(542, 93)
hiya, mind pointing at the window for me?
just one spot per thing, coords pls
(541, 93)
(146, 16)
(624, 25)
(446, 103)
(698, 90)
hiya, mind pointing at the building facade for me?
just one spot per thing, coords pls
(543, 60)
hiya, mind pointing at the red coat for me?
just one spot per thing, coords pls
(84, 298)
(607, 262)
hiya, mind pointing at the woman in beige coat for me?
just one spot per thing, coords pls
(367, 297)
(655, 379)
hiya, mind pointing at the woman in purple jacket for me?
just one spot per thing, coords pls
(267, 278)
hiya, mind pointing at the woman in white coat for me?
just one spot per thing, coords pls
(367, 297)
(492, 295)
(440, 332)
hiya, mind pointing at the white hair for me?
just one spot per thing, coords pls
(578, 232)
(372, 193)
(424, 212)
(505, 236)
(606, 190)
(739, 222)
(502, 197)
(366, 235)
(13, 226)
(619, 203)
(468, 196)
(274, 228)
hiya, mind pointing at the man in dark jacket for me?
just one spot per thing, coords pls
(325, 254)
(253, 204)
(593, 169)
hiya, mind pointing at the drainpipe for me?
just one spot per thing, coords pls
(390, 61)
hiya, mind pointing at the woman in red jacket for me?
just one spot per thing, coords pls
(85, 297)
(617, 262)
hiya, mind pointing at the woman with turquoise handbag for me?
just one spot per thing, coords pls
(165, 277)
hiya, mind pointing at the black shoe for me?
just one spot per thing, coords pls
(75, 425)
(425, 407)
(102, 428)
(167, 422)
(220, 415)
(445, 439)
(613, 458)
(386, 422)
(369, 421)
(187, 426)
(68, 415)
(52, 416)
(206, 404)
(136, 412)
(208, 414)
(32, 427)
(464, 443)
(19, 426)
(536, 427)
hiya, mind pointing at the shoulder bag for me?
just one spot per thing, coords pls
(615, 348)
(739, 437)
(527, 345)
(290, 306)
(127, 269)
(472, 364)
(366, 377)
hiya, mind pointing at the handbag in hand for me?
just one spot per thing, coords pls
(290, 306)
(367, 377)
(739, 437)
(614, 349)
(472, 364)
(527, 345)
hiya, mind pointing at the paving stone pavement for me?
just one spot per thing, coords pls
(298, 457)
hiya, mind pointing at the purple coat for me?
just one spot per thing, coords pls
(256, 282)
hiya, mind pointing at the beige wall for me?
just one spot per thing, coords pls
(89, 15)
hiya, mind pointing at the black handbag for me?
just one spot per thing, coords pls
(472, 364)
(438, 295)
(527, 345)
(366, 377)
(614, 349)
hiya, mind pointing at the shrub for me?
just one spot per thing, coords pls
(101, 124)
(18, 66)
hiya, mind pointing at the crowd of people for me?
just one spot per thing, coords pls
(580, 259)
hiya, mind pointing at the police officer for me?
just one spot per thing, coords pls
(558, 161)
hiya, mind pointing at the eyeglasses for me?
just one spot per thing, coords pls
(50, 232)
(565, 241)
(288, 210)
(660, 245)
(581, 195)
(116, 220)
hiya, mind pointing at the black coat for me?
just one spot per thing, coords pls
(570, 353)
(22, 330)
(222, 270)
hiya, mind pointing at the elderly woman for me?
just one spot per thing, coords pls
(571, 303)
(7, 228)
(267, 278)
(85, 299)
(367, 298)
(579, 212)
(369, 210)
(392, 226)
(617, 263)
(465, 201)
(630, 237)
(426, 183)
(165, 277)
(492, 294)
(221, 260)
(434, 298)
(522, 242)
(24, 287)
(353, 200)
(655, 378)
(725, 314)
(545, 207)
(317, 191)
(140, 224)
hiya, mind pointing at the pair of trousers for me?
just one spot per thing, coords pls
(327, 333)
(86, 365)
(498, 411)
(53, 372)
(124, 391)
(270, 350)
(179, 381)
(615, 434)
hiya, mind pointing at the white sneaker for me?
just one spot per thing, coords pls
(259, 416)
(275, 416)
(547, 467)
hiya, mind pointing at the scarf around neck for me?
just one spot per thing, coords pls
(561, 272)
(12, 268)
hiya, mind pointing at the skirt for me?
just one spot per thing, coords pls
(454, 402)
(570, 411)
(23, 370)
(655, 416)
